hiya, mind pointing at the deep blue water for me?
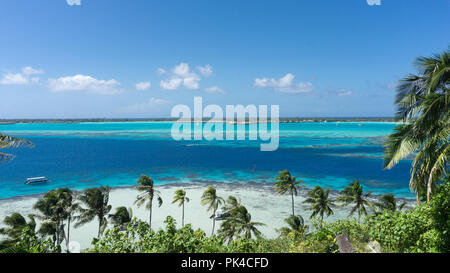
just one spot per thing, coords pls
(88, 155)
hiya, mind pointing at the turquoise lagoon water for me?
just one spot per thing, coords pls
(83, 155)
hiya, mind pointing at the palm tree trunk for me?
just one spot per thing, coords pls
(68, 234)
(292, 198)
(99, 226)
(214, 222)
(430, 180)
(182, 217)
(150, 214)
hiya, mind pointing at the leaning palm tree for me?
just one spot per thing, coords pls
(388, 202)
(296, 226)
(146, 186)
(244, 225)
(180, 198)
(213, 202)
(96, 201)
(320, 203)
(238, 224)
(12, 142)
(287, 184)
(353, 194)
(122, 217)
(423, 106)
(232, 203)
(15, 223)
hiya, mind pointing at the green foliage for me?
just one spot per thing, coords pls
(440, 213)
(423, 105)
(30, 243)
(183, 240)
(15, 223)
(399, 231)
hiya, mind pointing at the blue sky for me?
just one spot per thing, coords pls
(117, 58)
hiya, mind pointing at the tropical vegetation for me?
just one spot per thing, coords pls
(423, 102)
(146, 186)
(287, 184)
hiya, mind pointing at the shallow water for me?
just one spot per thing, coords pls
(82, 155)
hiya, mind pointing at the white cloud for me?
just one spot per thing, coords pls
(181, 70)
(215, 90)
(285, 84)
(171, 84)
(141, 86)
(191, 82)
(206, 70)
(181, 76)
(84, 83)
(73, 2)
(28, 70)
(152, 105)
(21, 78)
(11, 78)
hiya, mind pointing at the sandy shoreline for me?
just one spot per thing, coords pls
(260, 199)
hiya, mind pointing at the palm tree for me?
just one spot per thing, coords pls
(12, 142)
(320, 202)
(180, 198)
(146, 186)
(96, 201)
(244, 225)
(238, 224)
(353, 194)
(228, 228)
(232, 203)
(122, 217)
(16, 224)
(287, 184)
(423, 106)
(71, 206)
(296, 225)
(213, 201)
(388, 202)
(53, 208)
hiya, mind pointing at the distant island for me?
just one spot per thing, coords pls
(281, 120)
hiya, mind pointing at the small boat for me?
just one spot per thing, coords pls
(36, 180)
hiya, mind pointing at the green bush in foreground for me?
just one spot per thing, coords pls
(172, 240)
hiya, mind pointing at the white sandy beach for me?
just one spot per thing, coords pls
(263, 204)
